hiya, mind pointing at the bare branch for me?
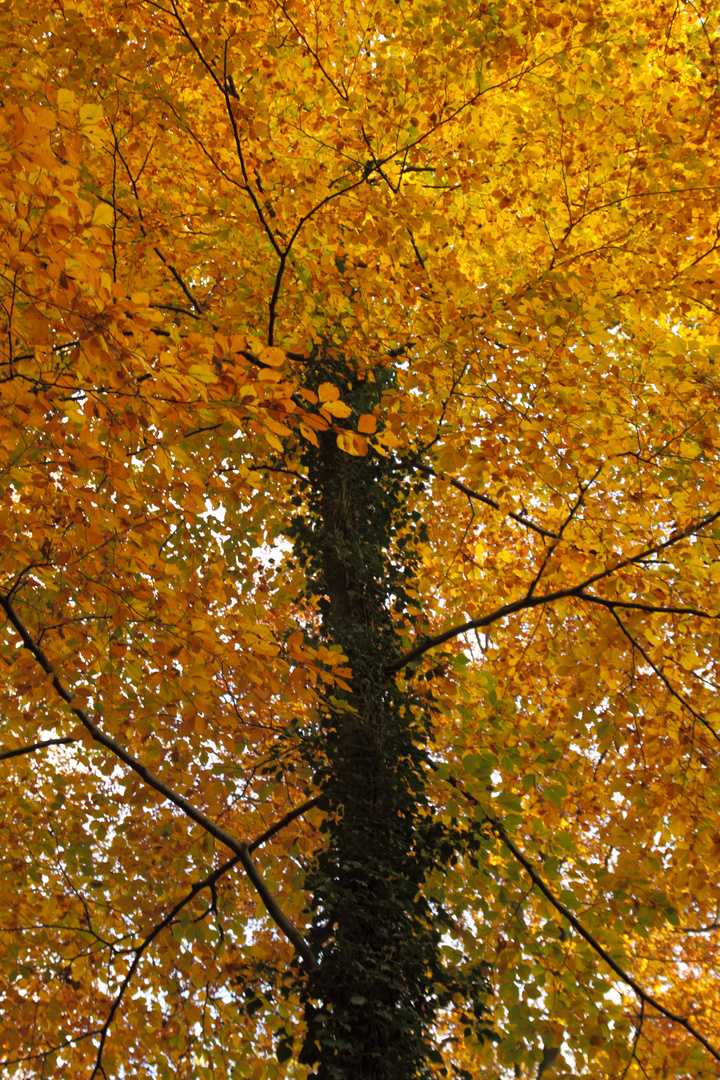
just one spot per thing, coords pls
(550, 551)
(635, 605)
(178, 278)
(645, 998)
(5, 754)
(636, 1040)
(286, 820)
(38, 1054)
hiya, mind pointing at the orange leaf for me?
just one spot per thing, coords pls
(367, 424)
(328, 392)
(352, 444)
(308, 434)
(337, 408)
(272, 357)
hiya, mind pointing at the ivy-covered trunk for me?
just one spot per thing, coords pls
(369, 1005)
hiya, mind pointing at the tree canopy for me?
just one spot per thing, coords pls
(360, 539)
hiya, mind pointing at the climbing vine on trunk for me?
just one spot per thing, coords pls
(371, 1003)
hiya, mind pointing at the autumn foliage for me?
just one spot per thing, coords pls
(360, 539)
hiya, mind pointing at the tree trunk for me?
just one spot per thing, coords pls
(369, 1004)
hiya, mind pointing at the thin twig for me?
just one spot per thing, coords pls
(286, 820)
(179, 279)
(550, 551)
(636, 1040)
(643, 995)
(635, 605)
(661, 675)
(51, 1050)
(487, 500)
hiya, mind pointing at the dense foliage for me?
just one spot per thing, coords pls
(359, 539)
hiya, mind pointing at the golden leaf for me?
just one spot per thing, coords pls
(103, 215)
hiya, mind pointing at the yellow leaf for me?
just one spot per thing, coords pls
(90, 115)
(345, 443)
(65, 99)
(274, 442)
(279, 429)
(389, 440)
(103, 215)
(82, 734)
(309, 434)
(352, 444)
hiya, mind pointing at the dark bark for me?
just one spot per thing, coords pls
(370, 1004)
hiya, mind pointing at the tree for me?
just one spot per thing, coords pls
(360, 530)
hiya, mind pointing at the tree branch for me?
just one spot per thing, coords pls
(678, 697)
(178, 278)
(238, 847)
(530, 601)
(206, 883)
(5, 754)
(487, 500)
(551, 549)
(645, 998)
(290, 816)
(634, 605)
(38, 1054)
